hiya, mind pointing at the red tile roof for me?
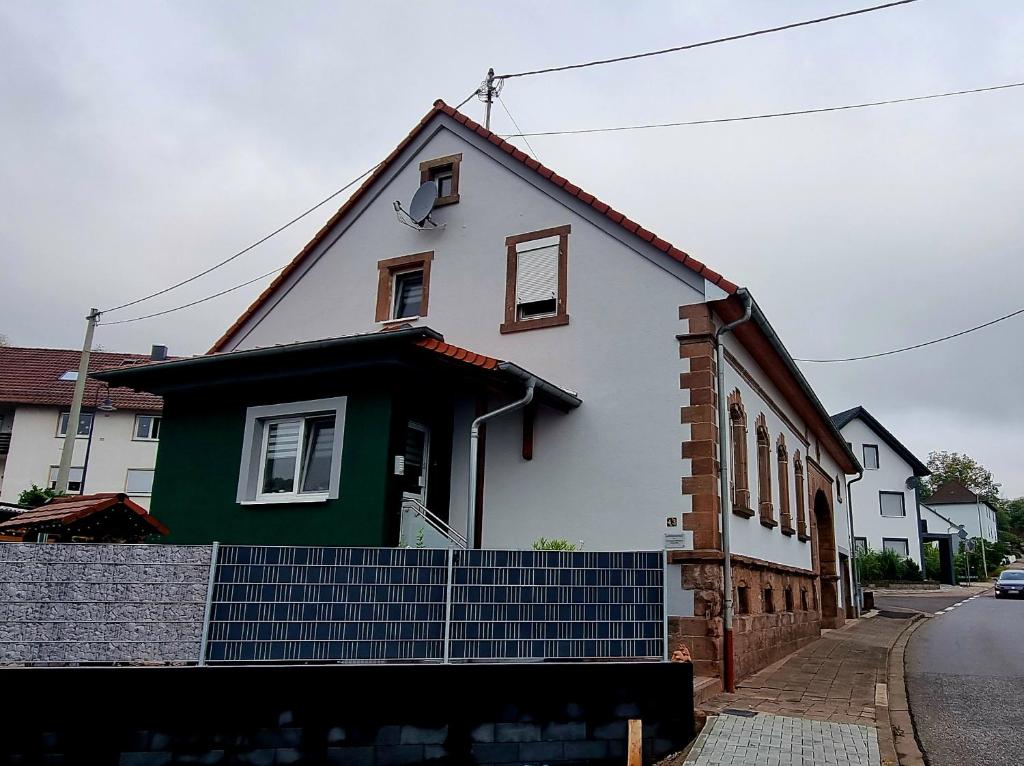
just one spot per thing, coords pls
(32, 376)
(63, 511)
(952, 492)
(458, 353)
(440, 107)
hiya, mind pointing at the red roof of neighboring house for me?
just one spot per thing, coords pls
(459, 353)
(32, 376)
(952, 493)
(63, 511)
(440, 107)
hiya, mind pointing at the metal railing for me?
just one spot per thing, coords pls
(422, 528)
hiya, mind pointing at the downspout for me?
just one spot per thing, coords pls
(858, 593)
(474, 451)
(728, 663)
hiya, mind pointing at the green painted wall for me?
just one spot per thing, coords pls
(197, 475)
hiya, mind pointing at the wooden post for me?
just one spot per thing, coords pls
(635, 747)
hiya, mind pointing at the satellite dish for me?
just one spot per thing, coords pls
(423, 202)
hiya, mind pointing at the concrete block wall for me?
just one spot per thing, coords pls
(379, 715)
(79, 603)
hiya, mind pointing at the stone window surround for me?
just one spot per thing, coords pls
(801, 498)
(512, 323)
(764, 473)
(252, 448)
(427, 168)
(740, 475)
(386, 271)
(785, 515)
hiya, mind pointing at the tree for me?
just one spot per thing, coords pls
(35, 496)
(955, 466)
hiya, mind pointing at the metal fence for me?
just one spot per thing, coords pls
(433, 605)
(228, 604)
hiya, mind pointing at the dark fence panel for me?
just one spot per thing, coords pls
(523, 605)
(328, 605)
(373, 605)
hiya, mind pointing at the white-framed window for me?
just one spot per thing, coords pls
(75, 478)
(892, 504)
(139, 481)
(870, 457)
(147, 428)
(291, 453)
(898, 545)
(84, 423)
(408, 294)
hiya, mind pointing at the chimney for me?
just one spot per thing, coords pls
(158, 354)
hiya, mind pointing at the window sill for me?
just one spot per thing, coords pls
(387, 323)
(804, 538)
(534, 324)
(788, 531)
(746, 513)
(450, 199)
(287, 500)
(770, 523)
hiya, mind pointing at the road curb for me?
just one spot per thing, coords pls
(895, 723)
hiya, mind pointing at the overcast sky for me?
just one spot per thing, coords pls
(143, 141)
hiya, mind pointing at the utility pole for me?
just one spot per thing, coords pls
(488, 97)
(981, 534)
(71, 432)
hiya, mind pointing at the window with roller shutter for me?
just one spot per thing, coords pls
(535, 292)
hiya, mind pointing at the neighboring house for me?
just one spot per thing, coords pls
(100, 518)
(961, 507)
(340, 404)
(117, 434)
(885, 504)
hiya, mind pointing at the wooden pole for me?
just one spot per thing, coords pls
(635, 747)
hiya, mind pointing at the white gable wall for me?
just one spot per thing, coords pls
(609, 472)
(967, 514)
(890, 476)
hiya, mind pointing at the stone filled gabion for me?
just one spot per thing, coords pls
(79, 603)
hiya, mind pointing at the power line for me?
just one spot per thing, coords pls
(916, 345)
(716, 41)
(197, 302)
(765, 116)
(467, 99)
(243, 251)
(520, 134)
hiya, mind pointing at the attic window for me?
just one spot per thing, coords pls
(69, 375)
(444, 171)
(403, 287)
(535, 283)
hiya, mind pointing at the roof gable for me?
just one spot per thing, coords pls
(441, 108)
(955, 493)
(842, 419)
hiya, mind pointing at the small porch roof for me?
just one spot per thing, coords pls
(105, 514)
(402, 348)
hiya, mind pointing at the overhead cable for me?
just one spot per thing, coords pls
(705, 43)
(244, 250)
(916, 345)
(765, 116)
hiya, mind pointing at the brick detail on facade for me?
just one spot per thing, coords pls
(785, 513)
(801, 498)
(740, 465)
(700, 449)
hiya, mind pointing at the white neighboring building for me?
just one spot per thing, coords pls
(118, 433)
(959, 505)
(885, 509)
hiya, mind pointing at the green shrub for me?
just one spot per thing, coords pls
(885, 566)
(555, 544)
(932, 562)
(35, 496)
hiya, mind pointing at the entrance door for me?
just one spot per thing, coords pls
(417, 463)
(844, 572)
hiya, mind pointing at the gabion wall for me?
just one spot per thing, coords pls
(81, 603)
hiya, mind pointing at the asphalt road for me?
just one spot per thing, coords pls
(965, 675)
(927, 602)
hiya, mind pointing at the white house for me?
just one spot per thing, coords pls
(885, 504)
(347, 392)
(957, 504)
(117, 434)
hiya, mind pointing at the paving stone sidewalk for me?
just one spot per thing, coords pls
(839, 678)
(775, 740)
(819, 705)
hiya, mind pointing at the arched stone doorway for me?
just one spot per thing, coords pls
(824, 554)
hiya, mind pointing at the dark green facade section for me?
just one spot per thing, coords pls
(198, 462)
